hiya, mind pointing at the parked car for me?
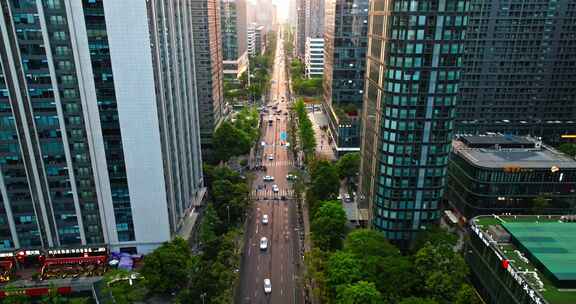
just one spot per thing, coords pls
(267, 286)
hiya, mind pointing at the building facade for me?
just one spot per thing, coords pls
(234, 37)
(300, 37)
(498, 174)
(314, 27)
(414, 60)
(314, 57)
(210, 73)
(519, 69)
(346, 40)
(100, 129)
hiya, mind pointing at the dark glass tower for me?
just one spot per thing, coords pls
(519, 72)
(413, 70)
(345, 45)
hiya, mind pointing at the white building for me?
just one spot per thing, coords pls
(100, 124)
(314, 57)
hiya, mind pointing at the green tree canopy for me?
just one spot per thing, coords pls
(342, 269)
(568, 148)
(467, 295)
(359, 293)
(329, 226)
(325, 183)
(167, 268)
(230, 142)
(415, 300)
(367, 242)
(348, 165)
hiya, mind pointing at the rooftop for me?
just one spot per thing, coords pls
(542, 251)
(505, 151)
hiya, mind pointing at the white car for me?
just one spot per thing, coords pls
(263, 243)
(267, 286)
(270, 157)
(265, 219)
(268, 178)
(275, 188)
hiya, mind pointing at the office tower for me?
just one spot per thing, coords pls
(234, 37)
(519, 72)
(300, 37)
(314, 19)
(314, 57)
(293, 13)
(99, 124)
(263, 14)
(209, 70)
(346, 39)
(256, 40)
(415, 51)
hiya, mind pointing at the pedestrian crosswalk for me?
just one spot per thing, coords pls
(269, 194)
(279, 163)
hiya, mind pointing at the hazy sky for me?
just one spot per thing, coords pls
(283, 7)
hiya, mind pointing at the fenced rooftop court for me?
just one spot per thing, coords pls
(541, 249)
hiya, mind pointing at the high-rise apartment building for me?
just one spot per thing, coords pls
(414, 63)
(99, 130)
(210, 74)
(234, 37)
(256, 39)
(519, 72)
(300, 36)
(346, 40)
(314, 57)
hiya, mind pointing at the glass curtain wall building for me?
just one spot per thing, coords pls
(234, 37)
(99, 130)
(345, 45)
(519, 69)
(415, 52)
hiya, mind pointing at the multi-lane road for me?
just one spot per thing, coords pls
(279, 262)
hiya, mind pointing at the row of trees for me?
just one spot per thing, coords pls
(369, 270)
(174, 272)
(568, 148)
(305, 129)
(237, 137)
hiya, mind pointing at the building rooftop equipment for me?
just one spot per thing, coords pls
(521, 152)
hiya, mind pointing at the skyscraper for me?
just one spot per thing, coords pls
(100, 140)
(300, 36)
(413, 69)
(346, 32)
(234, 37)
(210, 73)
(314, 19)
(519, 72)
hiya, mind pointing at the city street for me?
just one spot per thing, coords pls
(278, 262)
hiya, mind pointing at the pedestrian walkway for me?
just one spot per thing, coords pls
(269, 194)
(323, 147)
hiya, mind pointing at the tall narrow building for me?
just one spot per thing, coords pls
(300, 36)
(99, 124)
(519, 72)
(209, 66)
(414, 65)
(345, 45)
(234, 29)
(314, 19)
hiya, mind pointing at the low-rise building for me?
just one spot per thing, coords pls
(495, 174)
(314, 57)
(523, 259)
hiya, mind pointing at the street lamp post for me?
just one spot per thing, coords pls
(202, 296)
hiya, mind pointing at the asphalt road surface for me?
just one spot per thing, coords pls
(279, 261)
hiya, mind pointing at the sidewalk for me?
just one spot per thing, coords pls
(323, 148)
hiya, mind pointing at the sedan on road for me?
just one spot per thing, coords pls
(263, 243)
(268, 178)
(267, 286)
(270, 157)
(265, 219)
(275, 188)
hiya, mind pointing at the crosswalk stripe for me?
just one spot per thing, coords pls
(269, 194)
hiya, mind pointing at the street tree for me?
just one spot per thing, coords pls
(367, 242)
(342, 269)
(416, 300)
(231, 142)
(348, 165)
(328, 226)
(167, 268)
(361, 292)
(467, 295)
